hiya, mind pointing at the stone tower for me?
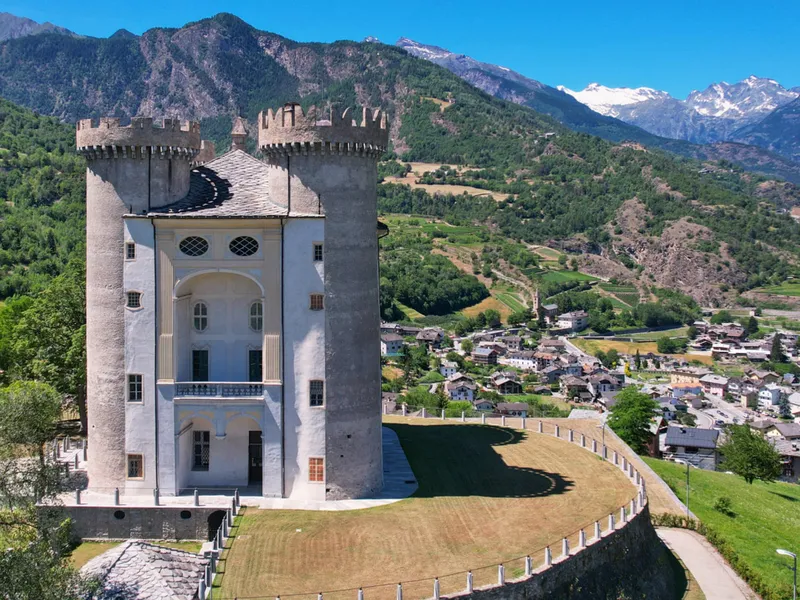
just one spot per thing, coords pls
(328, 165)
(130, 170)
(238, 135)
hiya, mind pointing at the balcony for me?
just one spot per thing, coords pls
(218, 389)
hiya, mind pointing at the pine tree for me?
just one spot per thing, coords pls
(776, 353)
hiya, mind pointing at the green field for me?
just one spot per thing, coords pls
(409, 312)
(766, 516)
(784, 289)
(510, 300)
(653, 336)
(561, 276)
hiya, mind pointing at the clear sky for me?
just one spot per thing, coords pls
(672, 45)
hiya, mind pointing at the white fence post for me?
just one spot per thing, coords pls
(523, 423)
(501, 575)
(623, 517)
(405, 410)
(436, 588)
(582, 539)
(463, 416)
(443, 415)
(541, 427)
(469, 582)
(360, 594)
(571, 435)
(399, 591)
(583, 441)
(557, 432)
(548, 557)
(611, 522)
(565, 547)
(424, 412)
(502, 420)
(597, 530)
(528, 566)
(594, 446)
(483, 418)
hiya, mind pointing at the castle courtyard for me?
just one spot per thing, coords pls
(486, 495)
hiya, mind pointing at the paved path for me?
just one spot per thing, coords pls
(717, 580)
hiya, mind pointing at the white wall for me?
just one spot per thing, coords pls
(228, 464)
(304, 356)
(140, 344)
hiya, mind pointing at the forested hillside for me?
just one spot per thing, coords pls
(42, 206)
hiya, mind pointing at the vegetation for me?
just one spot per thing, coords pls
(749, 455)
(763, 517)
(631, 416)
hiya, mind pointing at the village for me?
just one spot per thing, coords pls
(513, 371)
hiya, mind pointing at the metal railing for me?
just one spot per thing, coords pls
(218, 389)
(513, 570)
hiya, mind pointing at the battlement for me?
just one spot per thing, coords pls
(106, 138)
(289, 129)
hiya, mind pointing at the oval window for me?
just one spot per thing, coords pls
(119, 514)
(193, 246)
(244, 246)
(186, 514)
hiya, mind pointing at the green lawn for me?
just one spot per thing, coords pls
(653, 336)
(410, 312)
(561, 276)
(510, 300)
(784, 289)
(767, 516)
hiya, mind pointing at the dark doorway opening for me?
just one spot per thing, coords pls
(254, 459)
(214, 522)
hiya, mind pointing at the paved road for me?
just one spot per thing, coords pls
(717, 580)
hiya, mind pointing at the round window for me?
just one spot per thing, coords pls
(119, 514)
(193, 246)
(244, 246)
(186, 514)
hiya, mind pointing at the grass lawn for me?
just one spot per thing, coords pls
(592, 346)
(547, 253)
(510, 300)
(784, 289)
(766, 515)
(552, 400)
(86, 551)
(410, 312)
(653, 336)
(485, 495)
(485, 304)
(562, 276)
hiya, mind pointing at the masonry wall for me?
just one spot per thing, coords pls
(630, 563)
(150, 523)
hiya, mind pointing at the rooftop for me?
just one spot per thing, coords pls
(692, 437)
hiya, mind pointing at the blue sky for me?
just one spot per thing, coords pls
(673, 45)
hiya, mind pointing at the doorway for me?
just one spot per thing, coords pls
(254, 459)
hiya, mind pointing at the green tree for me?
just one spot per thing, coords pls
(638, 360)
(492, 318)
(631, 417)
(562, 259)
(776, 352)
(749, 455)
(691, 332)
(752, 325)
(50, 337)
(722, 316)
(784, 408)
(467, 346)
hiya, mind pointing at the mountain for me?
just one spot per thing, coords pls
(12, 27)
(557, 186)
(712, 115)
(779, 131)
(642, 115)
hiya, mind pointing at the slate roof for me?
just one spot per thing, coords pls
(788, 430)
(692, 437)
(232, 185)
(136, 570)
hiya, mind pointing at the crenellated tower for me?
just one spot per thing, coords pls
(130, 170)
(327, 164)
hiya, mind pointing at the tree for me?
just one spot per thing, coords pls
(638, 360)
(50, 338)
(631, 417)
(776, 352)
(691, 332)
(467, 346)
(750, 456)
(784, 407)
(562, 259)
(609, 359)
(722, 316)
(492, 318)
(667, 345)
(751, 325)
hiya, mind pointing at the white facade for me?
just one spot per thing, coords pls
(769, 395)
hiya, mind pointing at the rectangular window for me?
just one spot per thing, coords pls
(317, 252)
(135, 393)
(316, 392)
(199, 365)
(135, 466)
(133, 299)
(254, 365)
(316, 469)
(130, 251)
(317, 302)
(202, 450)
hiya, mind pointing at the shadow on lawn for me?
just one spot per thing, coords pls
(462, 461)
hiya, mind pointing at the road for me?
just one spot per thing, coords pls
(717, 580)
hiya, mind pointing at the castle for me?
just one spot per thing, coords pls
(233, 306)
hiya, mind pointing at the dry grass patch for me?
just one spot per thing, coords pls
(485, 495)
(593, 346)
(486, 304)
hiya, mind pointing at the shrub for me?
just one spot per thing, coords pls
(724, 505)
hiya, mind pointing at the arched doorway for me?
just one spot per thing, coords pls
(214, 523)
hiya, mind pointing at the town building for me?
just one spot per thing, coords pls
(573, 321)
(461, 387)
(391, 344)
(695, 446)
(232, 308)
(484, 356)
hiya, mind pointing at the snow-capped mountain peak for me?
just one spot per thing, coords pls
(604, 99)
(749, 99)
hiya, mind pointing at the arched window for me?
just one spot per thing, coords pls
(257, 316)
(200, 314)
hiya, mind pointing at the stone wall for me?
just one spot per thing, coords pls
(631, 563)
(140, 522)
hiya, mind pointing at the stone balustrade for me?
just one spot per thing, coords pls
(206, 389)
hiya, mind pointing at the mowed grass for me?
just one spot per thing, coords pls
(623, 347)
(784, 289)
(409, 312)
(766, 516)
(562, 276)
(86, 551)
(486, 495)
(511, 301)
